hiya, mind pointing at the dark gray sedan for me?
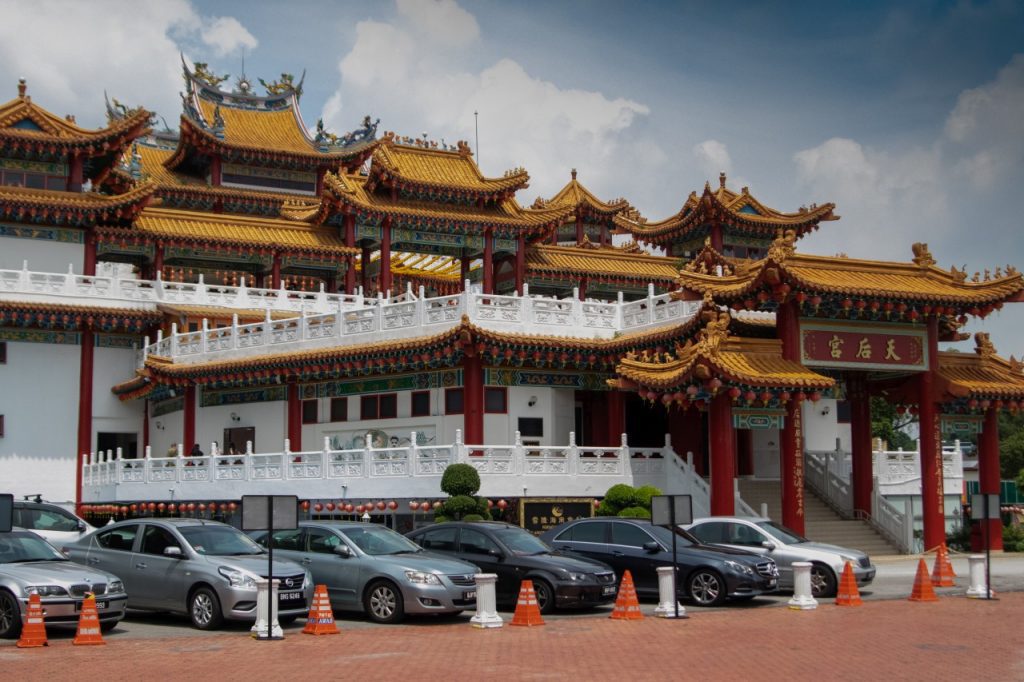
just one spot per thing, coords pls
(372, 569)
(205, 569)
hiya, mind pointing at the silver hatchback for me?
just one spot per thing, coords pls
(369, 568)
(205, 569)
(28, 564)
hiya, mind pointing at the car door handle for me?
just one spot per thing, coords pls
(307, 560)
(140, 565)
(93, 560)
(618, 554)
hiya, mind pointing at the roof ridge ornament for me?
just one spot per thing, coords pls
(1016, 366)
(783, 246)
(922, 256)
(716, 331)
(201, 72)
(285, 86)
(22, 87)
(721, 179)
(984, 346)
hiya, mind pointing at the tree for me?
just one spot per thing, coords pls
(1011, 445)
(625, 500)
(461, 481)
(888, 425)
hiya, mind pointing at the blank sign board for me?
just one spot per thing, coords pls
(978, 509)
(263, 512)
(663, 506)
(6, 512)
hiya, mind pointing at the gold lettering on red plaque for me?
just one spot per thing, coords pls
(890, 350)
(835, 347)
(864, 349)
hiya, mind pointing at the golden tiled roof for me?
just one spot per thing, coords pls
(607, 261)
(278, 130)
(246, 230)
(351, 189)
(215, 313)
(982, 374)
(919, 281)
(76, 201)
(724, 204)
(61, 130)
(426, 266)
(574, 194)
(430, 167)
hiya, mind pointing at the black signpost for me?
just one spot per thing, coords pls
(6, 512)
(670, 510)
(988, 503)
(270, 513)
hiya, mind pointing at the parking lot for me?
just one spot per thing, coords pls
(887, 635)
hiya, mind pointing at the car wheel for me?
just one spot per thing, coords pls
(706, 587)
(545, 596)
(204, 609)
(823, 582)
(383, 603)
(10, 616)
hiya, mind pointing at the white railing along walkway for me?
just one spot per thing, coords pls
(896, 524)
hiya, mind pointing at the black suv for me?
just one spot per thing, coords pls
(707, 575)
(516, 555)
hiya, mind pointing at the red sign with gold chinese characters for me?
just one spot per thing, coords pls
(824, 345)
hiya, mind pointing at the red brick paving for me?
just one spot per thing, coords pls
(954, 639)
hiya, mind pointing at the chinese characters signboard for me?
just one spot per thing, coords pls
(538, 515)
(863, 347)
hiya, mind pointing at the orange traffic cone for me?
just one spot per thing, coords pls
(527, 609)
(34, 631)
(321, 618)
(848, 594)
(942, 573)
(923, 590)
(627, 606)
(88, 623)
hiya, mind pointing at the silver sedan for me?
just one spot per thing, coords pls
(28, 564)
(756, 534)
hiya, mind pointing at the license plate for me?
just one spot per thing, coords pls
(469, 594)
(100, 605)
(608, 589)
(289, 596)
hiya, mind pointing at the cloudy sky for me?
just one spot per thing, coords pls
(909, 116)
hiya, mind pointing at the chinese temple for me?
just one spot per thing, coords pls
(245, 305)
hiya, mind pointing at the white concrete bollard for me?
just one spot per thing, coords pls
(486, 602)
(262, 628)
(977, 588)
(667, 601)
(802, 599)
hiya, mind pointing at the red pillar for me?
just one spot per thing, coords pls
(488, 263)
(76, 174)
(215, 172)
(294, 418)
(579, 228)
(687, 433)
(158, 260)
(723, 456)
(365, 271)
(145, 426)
(792, 468)
(384, 277)
(717, 243)
(189, 435)
(89, 259)
(616, 418)
(860, 439)
(988, 474)
(473, 399)
(932, 500)
(84, 445)
(275, 272)
(744, 452)
(350, 241)
(582, 288)
(520, 264)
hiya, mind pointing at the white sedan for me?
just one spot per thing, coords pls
(761, 535)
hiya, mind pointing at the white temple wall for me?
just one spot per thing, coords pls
(270, 419)
(821, 427)
(165, 431)
(42, 255)
(766, 445)
(563, 415)
(111, 365)
(39, 401)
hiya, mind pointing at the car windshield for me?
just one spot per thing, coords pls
(378, 541)
(664, 535)
(23, 547)
(219, 541)
(780, 533)
(521, 541)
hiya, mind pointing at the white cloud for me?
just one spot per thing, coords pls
(713, 158)
(523, 120)
(226, 35)
(130, 49)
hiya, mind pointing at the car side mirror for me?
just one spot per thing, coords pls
(81, 526)
(343, 551)
(496, 554)
(652, 547)
(173, 552)
(768, 544)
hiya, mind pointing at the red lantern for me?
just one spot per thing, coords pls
(172, 508)
(734, 393)
(749, 396)
(715, 384)
(360, 508)
(784, 397)
(330, 506)
(161, 507)
(382, 505)
(425, 506)
(490, 504)
(318, 507)
(202, 507)
(437, 505)
(414, 505)
(124, 509)
(151, 506)
(815, 397)
(133, 507)
(502, 504)
(597, 503)
(765, 396)
(232, 506)
(350, 507)
(392, 505)
(900, 410)
(305, 505)
(213, 506)
(191, 506)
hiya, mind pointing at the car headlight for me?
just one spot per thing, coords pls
(852, 559)
(738, 567)
(243, 580)
(46, 590)
(576, 577)
(115, 587)
(421, 578)
(308, 580)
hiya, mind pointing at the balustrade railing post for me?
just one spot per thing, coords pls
(201, 293)
(241, 294)
(23, 277)
(421, 302)
(286, 459)
(174, 340)
(459, 448)
(267, 325)
(179, 462)
(624, 449)
(204, 339)
(619, 316)
(68, 283)
(467, 308)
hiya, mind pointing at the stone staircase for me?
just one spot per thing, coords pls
(822, 524)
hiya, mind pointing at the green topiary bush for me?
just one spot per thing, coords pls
(482, 508)
(460, 479)
(459, 506)
(644, 494)
(1013, 538)
(472, 517)
(635, 513)
(619, 497)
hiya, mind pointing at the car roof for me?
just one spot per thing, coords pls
(751, 519)
(176, 521)
(339, 525)
(493, 525)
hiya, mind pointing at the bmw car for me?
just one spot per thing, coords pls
(29, 564)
